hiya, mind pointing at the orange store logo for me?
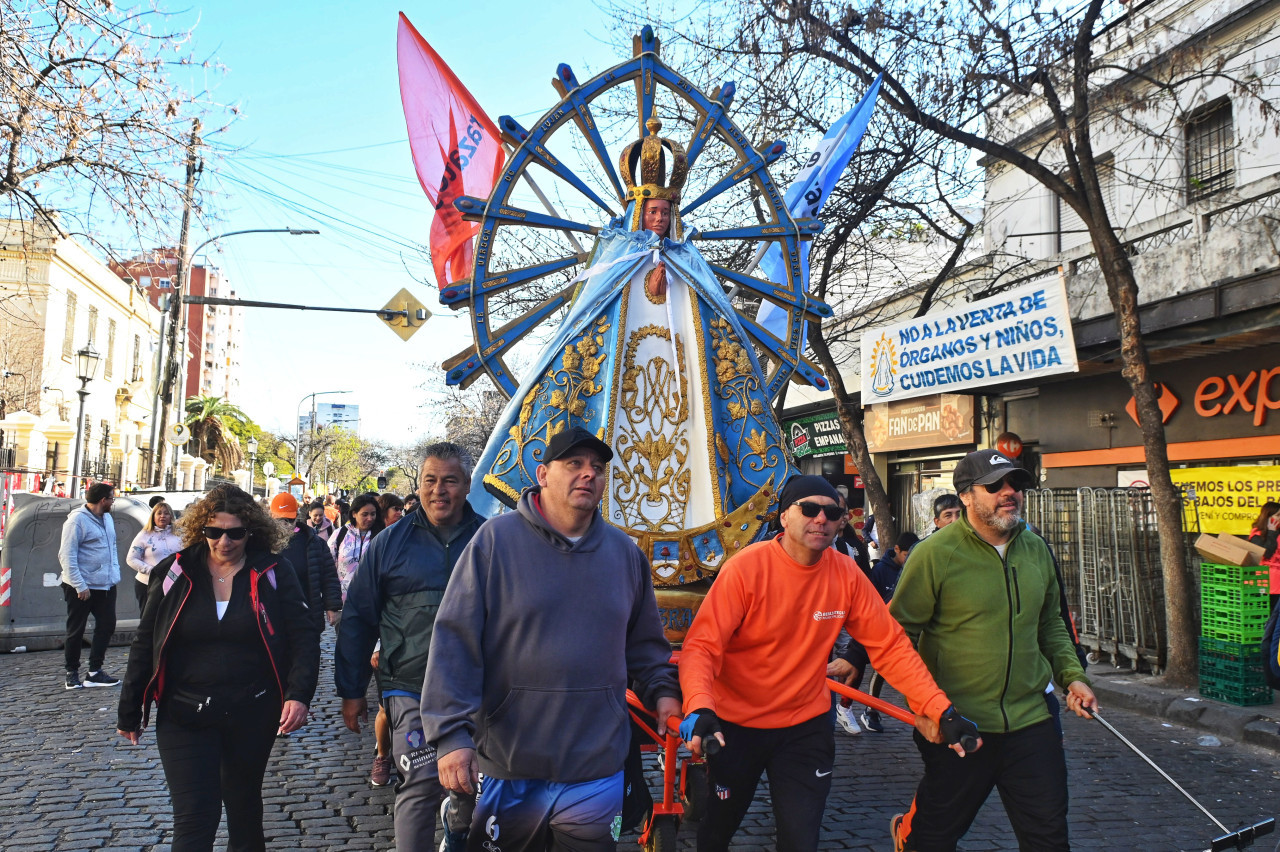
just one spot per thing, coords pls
(1168, 404)
(1254, 393)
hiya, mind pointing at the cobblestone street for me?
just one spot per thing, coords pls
(70, 783)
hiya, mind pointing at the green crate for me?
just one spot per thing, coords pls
(1229, 650)
(1244, 627)
(1244, 669)
(1232, 600)
(1240, 694)
(1246, 588)
(1233, 574)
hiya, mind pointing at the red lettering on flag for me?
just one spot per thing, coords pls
(456, 148)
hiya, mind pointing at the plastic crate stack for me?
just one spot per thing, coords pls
(1234, 605)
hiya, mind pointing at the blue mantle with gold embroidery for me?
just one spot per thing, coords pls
(698, 452)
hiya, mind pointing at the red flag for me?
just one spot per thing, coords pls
(456, 148)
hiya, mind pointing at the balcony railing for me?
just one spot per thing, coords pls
(1245, 204)
(102, 470)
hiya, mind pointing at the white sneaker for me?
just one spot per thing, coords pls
(847, 719)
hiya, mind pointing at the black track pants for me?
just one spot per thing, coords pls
(1027, 767)
(224, 763)
(799, 762)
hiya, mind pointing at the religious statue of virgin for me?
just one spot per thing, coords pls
(651, 355)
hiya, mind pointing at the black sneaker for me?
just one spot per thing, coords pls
(871, 721)
(73, 680)
(101, 678)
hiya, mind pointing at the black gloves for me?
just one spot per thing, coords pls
(705, 724)
(956, 729)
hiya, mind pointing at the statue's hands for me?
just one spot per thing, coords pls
(655, 283)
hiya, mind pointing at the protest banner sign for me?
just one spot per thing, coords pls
(1022, 334)
(1227, 499)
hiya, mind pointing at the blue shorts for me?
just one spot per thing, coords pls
(518, 815)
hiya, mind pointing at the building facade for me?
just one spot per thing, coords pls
(1192, 183)
(332, 414)
(215, 333)
(58, 299)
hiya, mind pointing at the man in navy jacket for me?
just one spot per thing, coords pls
(395, 596)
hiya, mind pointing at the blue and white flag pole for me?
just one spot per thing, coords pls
(806, 196)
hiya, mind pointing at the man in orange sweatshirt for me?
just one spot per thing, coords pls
(753, 670)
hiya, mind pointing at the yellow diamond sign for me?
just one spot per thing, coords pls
(414, 316)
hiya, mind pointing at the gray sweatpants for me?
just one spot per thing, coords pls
(418, 795)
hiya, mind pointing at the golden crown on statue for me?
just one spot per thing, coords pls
(650, 153)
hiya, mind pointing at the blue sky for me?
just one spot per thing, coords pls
(321, 125)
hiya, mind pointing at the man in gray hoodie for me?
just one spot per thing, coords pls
(548, 615)
(90, 572)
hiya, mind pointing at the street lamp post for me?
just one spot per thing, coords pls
(26, 390)
(86, 366)
(312, 430)
(253, 460)
(177, 317)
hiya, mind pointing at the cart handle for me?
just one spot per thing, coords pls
(874, 703)
(673, 721)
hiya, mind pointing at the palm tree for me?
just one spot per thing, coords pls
(209, 418)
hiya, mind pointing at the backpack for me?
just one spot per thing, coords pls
(1271, 650)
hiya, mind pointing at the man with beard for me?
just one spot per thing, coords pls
(980, 598)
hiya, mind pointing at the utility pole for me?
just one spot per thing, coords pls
(173, 377)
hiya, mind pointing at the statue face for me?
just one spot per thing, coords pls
(656, 216)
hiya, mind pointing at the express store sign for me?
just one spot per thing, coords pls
(1254, 393)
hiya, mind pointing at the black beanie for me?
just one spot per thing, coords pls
(800, 487)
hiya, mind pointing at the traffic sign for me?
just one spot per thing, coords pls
(177, 434)
(268, 468)
(416, 314)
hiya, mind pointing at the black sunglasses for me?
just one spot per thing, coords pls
(811, 510)
(233, 533)
(994, 487)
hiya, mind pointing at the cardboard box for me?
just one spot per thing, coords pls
(1236, 541)
(1226, 551)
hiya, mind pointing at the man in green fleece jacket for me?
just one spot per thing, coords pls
(980, 598)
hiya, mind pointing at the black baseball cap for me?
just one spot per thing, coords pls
(985, 467)
(575, 436)
(800, 487)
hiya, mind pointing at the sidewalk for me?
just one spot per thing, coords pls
(1259, 726)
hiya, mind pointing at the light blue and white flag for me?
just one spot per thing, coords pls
(809, 192)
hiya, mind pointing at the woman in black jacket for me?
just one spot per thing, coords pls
(227, 651)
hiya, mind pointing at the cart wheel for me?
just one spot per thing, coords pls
(695, 791)
(1092, 657)
(662, 838)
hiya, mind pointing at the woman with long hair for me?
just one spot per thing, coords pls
(392, 508)
(226, 650)
(154, 543)
(1264, 534)
(349, 543)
